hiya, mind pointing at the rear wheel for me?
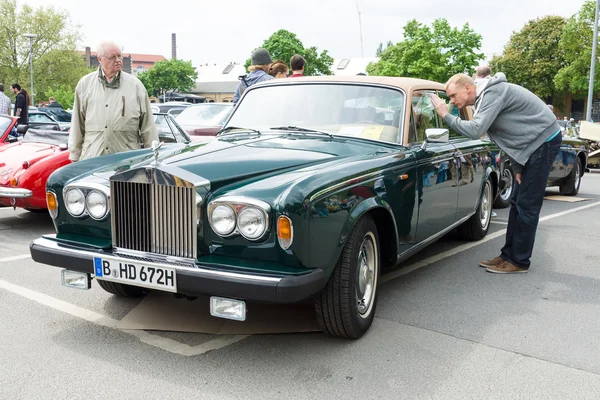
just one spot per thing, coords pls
(503, 199)
(476, 227)
(571, 186)
(346, 306)
(121, 290)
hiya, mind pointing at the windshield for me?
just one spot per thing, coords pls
(201, 114)
(4, 124)
(60, 115)
(340, 109)
(168, 130)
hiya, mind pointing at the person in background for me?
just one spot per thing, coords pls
(261, 61)
(53, 103)
(112, 110)
(4, 102)
(279, 69)
(523, 127)
(21, 103)
(297, 62)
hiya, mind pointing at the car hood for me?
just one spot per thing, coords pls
(227, 160)
(14, 155)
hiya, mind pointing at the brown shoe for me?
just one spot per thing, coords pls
(505, 268)
(491, 263)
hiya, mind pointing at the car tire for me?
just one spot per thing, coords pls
(503, 198)
(573, 182)
(476, 227)
(120, 289)
(346, 306)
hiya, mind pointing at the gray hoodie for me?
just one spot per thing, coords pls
(514, 118)
(252, 78)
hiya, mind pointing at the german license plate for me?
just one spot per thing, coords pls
(136, 273)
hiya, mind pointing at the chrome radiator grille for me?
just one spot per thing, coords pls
(154, 218)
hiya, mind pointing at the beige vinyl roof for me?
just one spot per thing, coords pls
(407, 84)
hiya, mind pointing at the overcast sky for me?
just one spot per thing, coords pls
(221, 31)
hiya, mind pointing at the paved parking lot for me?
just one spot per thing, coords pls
(444, 329)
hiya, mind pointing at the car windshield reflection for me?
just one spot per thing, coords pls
(347, 110)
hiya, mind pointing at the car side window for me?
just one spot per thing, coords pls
(40, 118)
(423, 116)
(462, 114)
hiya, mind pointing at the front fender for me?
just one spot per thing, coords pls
(329, 231)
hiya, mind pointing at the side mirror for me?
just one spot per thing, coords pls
(437, 135)
(22, 129)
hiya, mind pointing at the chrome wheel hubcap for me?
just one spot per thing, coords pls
(507, 191)
(485, 210)
(367, 275)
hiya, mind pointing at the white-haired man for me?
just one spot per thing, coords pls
(112, 110)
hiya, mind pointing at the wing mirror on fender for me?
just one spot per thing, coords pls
(436, 135)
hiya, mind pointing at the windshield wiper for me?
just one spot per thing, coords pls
(231, 128)
(300, 129)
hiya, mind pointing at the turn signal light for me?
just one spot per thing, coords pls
(285, 232)
(14, 181)
(52, 204)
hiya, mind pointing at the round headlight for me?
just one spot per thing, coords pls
(96, 204)
(75, 202)
(252, 223)
(223, 220)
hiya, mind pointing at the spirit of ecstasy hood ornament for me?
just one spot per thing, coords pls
(155, 146)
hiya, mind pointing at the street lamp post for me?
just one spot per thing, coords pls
(31, 36)
(588, 116)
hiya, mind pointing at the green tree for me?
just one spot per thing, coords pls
(56, 63)
(284, 44)
(169, 75)
(63, 95)
(576, 45)
(532, 56)
(434, 53)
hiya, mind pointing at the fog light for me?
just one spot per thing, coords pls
(228, 308)
(76, 280)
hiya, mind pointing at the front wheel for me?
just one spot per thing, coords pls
(476, 227)
(346, 306)
(121, 290)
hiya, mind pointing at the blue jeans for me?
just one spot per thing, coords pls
(526, 203)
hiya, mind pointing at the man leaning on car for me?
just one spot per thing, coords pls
(112, 110)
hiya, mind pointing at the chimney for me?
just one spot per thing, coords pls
(88, 57)
(173, 46)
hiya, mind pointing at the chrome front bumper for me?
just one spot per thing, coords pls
(15, 193)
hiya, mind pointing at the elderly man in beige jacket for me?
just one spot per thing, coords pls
(112, 110)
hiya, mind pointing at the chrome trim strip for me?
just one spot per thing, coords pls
(52, 245)
(16, 193)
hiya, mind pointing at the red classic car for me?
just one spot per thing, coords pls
(25, 165)
(6, 125)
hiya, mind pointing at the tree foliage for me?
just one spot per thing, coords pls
(284, 44)
(434, 53)
(532, 56)
(576, 45)
(56, 64)
(169, 75)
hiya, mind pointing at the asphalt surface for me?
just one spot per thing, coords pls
(445, 329)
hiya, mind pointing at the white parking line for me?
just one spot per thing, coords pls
(15, 258)
(163, 343)
(428, 261)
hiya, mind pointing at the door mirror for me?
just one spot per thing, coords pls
(437, 135)
(22, 129)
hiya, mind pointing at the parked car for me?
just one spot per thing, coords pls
(7, 123)
(27, 164)
(59, 115)
(203, 121)
(43, 120)
(295, 200)
(566, 173)
(171, 105)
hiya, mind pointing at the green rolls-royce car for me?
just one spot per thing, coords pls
(312, 188)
